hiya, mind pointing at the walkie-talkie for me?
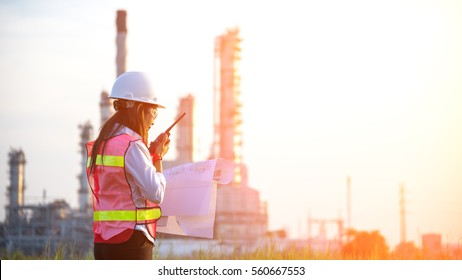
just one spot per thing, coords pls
(154, 143)
(170, 127)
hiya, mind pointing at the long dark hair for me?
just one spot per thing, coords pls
(132, 117)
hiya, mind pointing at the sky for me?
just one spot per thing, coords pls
(370, 90)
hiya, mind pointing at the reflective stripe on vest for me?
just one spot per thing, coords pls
(140, 215)
(115, 161)
(114, 209)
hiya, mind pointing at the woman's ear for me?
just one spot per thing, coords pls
(116, 104)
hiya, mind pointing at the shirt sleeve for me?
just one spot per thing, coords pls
(142, 175)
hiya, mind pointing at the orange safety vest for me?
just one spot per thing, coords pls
(114, 209)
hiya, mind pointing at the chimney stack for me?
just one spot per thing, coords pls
(120, 41)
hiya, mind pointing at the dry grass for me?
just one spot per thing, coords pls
(269, 252)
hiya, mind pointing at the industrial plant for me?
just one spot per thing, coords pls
(241, 218)
(35, 229)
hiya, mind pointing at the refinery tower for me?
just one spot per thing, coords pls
(240, 215)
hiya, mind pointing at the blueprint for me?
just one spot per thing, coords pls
(189, 203)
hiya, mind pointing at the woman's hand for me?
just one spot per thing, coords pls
(161, 145)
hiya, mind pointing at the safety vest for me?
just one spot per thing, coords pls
(114, 209)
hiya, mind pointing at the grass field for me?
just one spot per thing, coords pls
(270, 252)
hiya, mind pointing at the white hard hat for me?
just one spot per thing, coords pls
(135, 86)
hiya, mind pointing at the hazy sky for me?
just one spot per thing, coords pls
(330, 89)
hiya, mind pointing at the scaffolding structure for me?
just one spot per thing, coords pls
(227, 142)
(241, 218)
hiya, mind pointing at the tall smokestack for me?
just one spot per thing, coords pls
(105, 104)
(120, 41)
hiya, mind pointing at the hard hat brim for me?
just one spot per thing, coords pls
(141, 101)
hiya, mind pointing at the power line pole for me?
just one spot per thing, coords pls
(402, 212)
(348, 202)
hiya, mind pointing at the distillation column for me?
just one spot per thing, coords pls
(227, 139)
(185, 138)
(85, 198)
(105, 107)
(17, 163)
